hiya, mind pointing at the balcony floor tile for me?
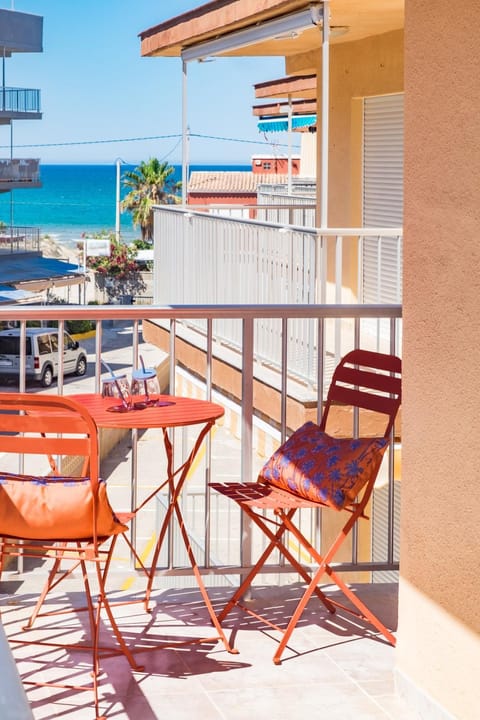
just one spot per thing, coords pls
(333, 668)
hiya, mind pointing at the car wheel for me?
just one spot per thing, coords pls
(81, 368)
(47, 377)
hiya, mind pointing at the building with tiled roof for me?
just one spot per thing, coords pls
(232, 187)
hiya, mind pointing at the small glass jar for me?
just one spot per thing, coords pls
(117, 386)
(145, 384)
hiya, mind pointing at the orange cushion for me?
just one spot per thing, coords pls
(54, 508)
(322, 468)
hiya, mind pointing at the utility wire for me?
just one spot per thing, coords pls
(138, 139)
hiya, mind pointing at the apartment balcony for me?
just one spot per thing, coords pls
(18, 239)
(19, 173)
(20, 32)
(19, 104)
(337, 667)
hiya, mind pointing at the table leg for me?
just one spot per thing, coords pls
(176, 486)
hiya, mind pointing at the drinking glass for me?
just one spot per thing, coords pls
(117, 386)
(144, 384)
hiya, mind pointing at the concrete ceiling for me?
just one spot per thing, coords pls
(217, 19)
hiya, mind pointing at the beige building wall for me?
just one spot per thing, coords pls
(373, 66)
(439, 612)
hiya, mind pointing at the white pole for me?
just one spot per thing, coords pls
(185, 133)
(325, 114)
(289, 130)
(117, 202)
(84, 271)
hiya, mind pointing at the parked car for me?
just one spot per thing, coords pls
(41, 354)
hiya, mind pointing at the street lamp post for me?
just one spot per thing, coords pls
(118, 162)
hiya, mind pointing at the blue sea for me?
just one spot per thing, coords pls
(76, 199)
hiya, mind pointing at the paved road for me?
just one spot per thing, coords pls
(117, 343)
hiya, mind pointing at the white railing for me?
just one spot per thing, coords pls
(209, 259)
(224, 546)
(17, 238)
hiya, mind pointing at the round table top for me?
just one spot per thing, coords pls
(179, 411)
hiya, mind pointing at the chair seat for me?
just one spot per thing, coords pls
(258, 495)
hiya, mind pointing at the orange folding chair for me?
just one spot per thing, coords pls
(315, 470)
(58, 516)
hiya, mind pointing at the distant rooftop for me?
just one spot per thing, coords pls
(231, 182)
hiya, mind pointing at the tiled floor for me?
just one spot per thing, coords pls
(333, 669)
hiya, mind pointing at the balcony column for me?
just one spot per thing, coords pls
(321, 219)
(185, 138)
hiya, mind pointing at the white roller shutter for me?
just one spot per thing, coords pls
(382, 197)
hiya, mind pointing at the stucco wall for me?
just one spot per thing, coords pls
(439, 613)
(373, 66)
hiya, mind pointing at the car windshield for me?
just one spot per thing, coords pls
(10, 345)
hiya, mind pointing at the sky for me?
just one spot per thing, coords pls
(95, 86)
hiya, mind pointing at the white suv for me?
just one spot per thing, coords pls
(41, 354)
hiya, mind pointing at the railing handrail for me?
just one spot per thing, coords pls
(7, 88)
(318, 231)
(206, 312)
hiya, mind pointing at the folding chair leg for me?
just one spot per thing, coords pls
(275, 543)
(49, 583)
(365, 613)
(324, 567)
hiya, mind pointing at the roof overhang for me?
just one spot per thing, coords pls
(12, 296)
(294, 86)
(272, 27)
(299, 107)
(33, 272)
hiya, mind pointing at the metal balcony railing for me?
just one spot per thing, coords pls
(225, 546)
(214, 258)
(19, 100)
(18, 238)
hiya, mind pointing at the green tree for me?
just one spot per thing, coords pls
(151, 183)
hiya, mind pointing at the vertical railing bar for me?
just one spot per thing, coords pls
(320, 367)
(246, 430)
(317, 515)
(98, 354)
(391, 466)
(356, 428)
(284, 380)
(284, 390)
(338, 293)
(171, 433)
(208, 443)
(23, 357)
(61, 356)
(135, 344)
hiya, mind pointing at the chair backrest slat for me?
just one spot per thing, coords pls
(366, 380)
(53, 425)
(44, 445)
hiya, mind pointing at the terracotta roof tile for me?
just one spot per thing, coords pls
(243, 181)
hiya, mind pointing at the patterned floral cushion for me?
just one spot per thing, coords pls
(54, 508)
(322, 468)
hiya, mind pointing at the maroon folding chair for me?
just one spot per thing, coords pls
(315, 470)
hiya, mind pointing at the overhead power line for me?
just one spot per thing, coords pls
(139, 139)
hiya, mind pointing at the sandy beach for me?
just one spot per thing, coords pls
(50, 248)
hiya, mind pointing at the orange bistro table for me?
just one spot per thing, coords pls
(173, 411)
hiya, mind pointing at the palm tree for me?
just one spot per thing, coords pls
(151, 183)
